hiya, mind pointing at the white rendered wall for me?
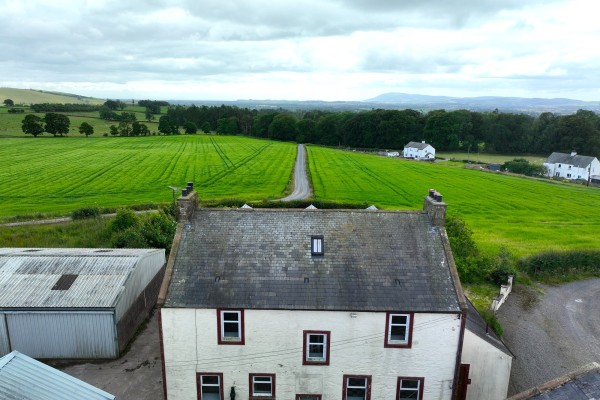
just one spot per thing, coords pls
(490, 369)
(274, 346)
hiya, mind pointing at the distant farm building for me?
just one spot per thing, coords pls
(75, 303)
(572, 166)
(419, 151)
(390, 153)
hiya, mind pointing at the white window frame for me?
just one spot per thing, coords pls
(406, 341)
(418, 391)
(262, 379)
(223, 338)
(219, 384)
(366, 387)
(324, 360)
(317, 245)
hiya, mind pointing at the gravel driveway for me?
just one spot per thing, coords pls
(552, 330)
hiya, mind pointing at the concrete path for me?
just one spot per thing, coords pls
(301, 185)
(137, 375)
(552, 330)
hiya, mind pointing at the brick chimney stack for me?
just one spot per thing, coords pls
(435, 208)
(187, 202)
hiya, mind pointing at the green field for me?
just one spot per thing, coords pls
(58, 175)
(524, 215)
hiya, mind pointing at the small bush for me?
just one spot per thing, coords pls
(124, 220)
(130, 238)
(562, 265)
(85, 212)
(492, 321)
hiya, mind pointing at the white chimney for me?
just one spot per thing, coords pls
(422, 141)
(573, 153)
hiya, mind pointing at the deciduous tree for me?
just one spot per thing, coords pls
(32, 125)
(57, 124)
(86, 129)
(9, 103)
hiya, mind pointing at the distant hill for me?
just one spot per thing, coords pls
(30, 96)
(486, 103)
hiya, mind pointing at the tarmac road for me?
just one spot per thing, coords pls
(301, 186)
(552, 330)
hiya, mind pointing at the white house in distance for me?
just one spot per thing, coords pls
(313, 305)
(572, 166)
(419, 151)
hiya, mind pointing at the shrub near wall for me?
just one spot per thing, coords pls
(562, 265)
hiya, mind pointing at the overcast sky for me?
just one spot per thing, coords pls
(302, 49)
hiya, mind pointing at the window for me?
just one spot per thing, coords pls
(210, 385)
(316, 246)
(316, 348)
(231, 326)
(262, 385)
(409, 388)
(357, 387)
(398, 330)
(308, 397)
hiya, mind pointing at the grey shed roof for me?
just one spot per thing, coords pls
(576, 160)
(583, 384)
(23, 378)
(416, 145)
(373, 261)
(477, 325)
(28, 276)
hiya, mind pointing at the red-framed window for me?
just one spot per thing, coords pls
(410, 387)
(398, 329)
(357, 387)
(315, 350)
(309, 397)
(230, 326)
(262, 386)
(209, 385)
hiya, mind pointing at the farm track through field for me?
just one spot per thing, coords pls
(242, 162)
(168, 171)
(222, 154)
(375, 177)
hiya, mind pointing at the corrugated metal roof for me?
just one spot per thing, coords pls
(23, 378)
(27, 276)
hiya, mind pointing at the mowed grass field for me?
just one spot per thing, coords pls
(58, 175)
(524, 215)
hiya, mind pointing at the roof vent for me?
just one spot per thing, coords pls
(397, 282)
(306, 280)
(31, 250)
(246, 206)
(217, 279)
(103, 251)
(311, 207)
(372, 207)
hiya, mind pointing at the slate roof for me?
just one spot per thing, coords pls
(373, 261)
(28, 275)
(583, 384)
(576, 160)
(416, 145)
(477, 325)
(23, 378)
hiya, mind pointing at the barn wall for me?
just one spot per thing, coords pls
(4, 341)
(140, 309)
(62, 334)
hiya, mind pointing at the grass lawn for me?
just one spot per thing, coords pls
(524, 215)
(58, 175)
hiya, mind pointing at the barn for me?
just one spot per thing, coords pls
(75, 303)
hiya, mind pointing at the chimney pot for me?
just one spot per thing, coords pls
(190, 186)
(431, 192)
(184, 192)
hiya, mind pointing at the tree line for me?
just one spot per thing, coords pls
(461, 130)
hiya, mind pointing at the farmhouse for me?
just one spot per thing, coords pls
(23, 378)
(311, 304)
(572, 166)
(419, 151)
(75, 303)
